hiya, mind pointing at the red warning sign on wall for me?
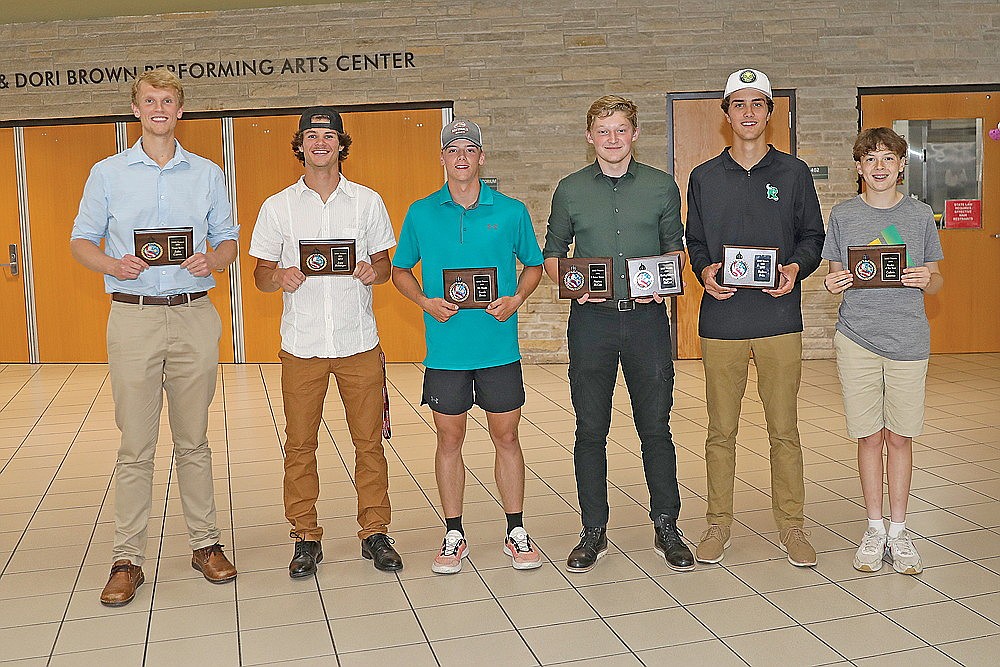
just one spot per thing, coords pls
(963, 214)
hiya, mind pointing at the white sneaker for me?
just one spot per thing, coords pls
(522, 551)
(905, 558)
(871, 552)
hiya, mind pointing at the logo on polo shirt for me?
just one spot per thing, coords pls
(772, 192)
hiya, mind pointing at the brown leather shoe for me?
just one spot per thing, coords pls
(212, 563)
(120, 589)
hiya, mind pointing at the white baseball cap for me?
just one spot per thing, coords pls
(748, 78)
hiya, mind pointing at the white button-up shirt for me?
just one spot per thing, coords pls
(327, 316)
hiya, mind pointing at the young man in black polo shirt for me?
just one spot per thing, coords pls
(753, 195)
(620, 208)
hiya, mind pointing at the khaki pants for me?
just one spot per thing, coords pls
(779, 370)
(152, 349)
(304, 383)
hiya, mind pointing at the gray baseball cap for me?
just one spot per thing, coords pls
(461, 129)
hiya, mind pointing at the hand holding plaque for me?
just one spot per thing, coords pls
(586, 275)
(327, 257)
(659, 275)
(876, 265)
(164, 246)
(749, 266)
(470, 288)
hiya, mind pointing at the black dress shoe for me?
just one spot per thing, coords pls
(668, 543)
(378, 549)
(308, 553)
(593, 544)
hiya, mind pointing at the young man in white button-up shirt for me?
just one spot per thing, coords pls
(328, 328)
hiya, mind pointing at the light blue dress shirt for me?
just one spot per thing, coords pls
(129, 191)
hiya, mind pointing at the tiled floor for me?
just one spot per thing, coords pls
(57, 450)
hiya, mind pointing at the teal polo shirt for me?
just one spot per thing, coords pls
(441, 234)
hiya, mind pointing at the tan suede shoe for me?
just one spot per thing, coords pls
(120, 589)
(212, 563)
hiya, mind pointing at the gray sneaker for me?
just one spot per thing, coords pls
(905, 558)
(871, 552)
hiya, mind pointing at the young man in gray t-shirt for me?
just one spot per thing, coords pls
(883, 338)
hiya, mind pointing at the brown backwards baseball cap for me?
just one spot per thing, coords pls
(321, 118)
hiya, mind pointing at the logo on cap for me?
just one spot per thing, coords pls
(748, 76)
(460, 127)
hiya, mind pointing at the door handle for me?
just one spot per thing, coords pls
(13, 259)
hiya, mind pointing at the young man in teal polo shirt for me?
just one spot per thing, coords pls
(472, 353)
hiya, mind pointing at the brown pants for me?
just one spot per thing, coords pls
(779, 370)
(303, 388)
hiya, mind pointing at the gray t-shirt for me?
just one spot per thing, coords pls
(890, 322)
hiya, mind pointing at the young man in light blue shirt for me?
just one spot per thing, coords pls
(163, 332)
(472, 353)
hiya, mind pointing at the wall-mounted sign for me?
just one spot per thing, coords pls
(820, 173)
(117, 72)
(963, 214)
(492, 181)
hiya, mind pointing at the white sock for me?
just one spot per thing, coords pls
(896, 528)
(877, 524)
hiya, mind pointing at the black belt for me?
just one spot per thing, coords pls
(172, 300)
(621, 305)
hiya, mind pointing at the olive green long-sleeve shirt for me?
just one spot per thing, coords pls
(638, 216)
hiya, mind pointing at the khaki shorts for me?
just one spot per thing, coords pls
(879, 392)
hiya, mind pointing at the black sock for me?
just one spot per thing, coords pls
(514, 521)
(454, 523)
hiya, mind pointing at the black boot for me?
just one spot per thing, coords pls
(593, 544)
(308, 553)
(668, 543)
(378, 549)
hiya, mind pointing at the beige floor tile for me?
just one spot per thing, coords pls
(456, 652)
(548, 608)
(34, 610)
(924, 657)
(961, 580)
(394, 629)
(572, 641)
(121, 655)
(414, 655)
(211, 649)
(28, 641)
(277, 610)
(622, 597)
(704, 584)
(785, 646)
(712, 652)
(864, 636)
(893, 591)
(289, 642)
(93, 633)
(943, 621)
(981, 652)
(818, 603)
(194, 621)
(463, 620)
(654, 629)
(49, 582)
(775, 575)
(362, 600)
(434, 590)
(740, 616)
(985, 605)
(973, 544)
(508, 581)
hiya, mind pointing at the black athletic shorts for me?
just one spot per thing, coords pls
(497, 389)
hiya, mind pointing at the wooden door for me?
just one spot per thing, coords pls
(700, 132)
(14, 330)
(396, 153)
(204, 137)
(71, 307)
(965, 315)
